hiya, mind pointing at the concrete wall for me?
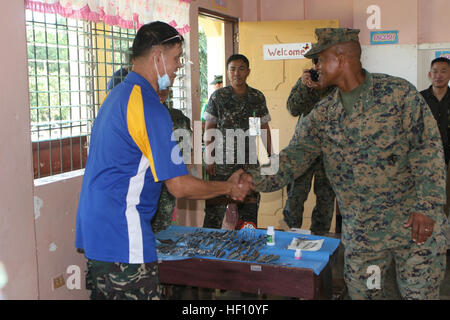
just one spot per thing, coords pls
(433, 21)
(433, 35)
(55, 207)
(402, 59)
(17, 234)
(276, 10)
(422, 27)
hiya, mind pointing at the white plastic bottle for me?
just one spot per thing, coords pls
(298, 254)
(270, 236)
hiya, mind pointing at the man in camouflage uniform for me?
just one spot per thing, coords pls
(229, 109)
(304, 95)
(383, 155)
(167, 201)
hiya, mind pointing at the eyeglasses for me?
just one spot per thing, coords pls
(171, 38)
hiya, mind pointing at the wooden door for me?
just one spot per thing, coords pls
(275, 78)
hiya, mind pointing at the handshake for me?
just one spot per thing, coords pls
(241, 185)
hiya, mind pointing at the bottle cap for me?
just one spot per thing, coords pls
(270, 228)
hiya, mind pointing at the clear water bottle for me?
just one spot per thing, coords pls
(231, 215)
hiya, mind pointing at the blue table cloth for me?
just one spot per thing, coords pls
(315, 260)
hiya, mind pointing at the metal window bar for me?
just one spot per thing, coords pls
(64, 87)
(177, 96)
(70, 63)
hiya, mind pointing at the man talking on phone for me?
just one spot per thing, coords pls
(302, 99)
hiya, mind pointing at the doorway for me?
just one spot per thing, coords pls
(211, 54)
(217, 41)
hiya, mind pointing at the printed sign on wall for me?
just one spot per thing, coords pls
(220, 3)
(282, 51)
(384, 37)
(445, 54)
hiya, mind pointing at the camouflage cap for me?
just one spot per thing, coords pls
(327, 37)
(217, 79)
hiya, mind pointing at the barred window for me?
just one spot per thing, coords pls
(177, 95)
(70, 62)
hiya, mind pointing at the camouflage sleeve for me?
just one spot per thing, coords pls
(263, 111)
(292, 161)
(180, 121)
(426, 156)
(302, 99)
(323, 93)
(297, 130)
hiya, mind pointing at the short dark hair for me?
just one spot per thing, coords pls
(152, 34)
(440, 59)
(235, 57)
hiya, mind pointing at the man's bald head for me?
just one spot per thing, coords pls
(339, 64)
(350, 49)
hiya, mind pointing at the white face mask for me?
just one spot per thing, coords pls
(164, 80)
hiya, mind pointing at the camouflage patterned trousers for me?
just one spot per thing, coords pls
(163, 216)
(214, 214)
(298, 191)
(419, 272)
(122, 281)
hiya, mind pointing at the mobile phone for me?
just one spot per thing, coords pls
(314, 75)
